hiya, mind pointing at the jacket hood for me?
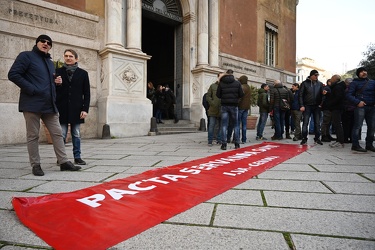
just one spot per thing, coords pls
(227, 79)
(243, 79)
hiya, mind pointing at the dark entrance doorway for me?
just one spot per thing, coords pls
(162, 40)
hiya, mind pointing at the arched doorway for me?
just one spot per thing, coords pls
(162, 40)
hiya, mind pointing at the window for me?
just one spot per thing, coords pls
(270, 43)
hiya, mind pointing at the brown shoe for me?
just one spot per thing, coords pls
(68, 166)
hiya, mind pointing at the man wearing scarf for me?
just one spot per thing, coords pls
(73, 100)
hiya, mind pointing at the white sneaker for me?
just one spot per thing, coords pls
(336, 144)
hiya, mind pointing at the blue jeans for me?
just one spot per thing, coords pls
(242, 119)
(76, 137)
(212, 121)
(315, 111)
(261, 123)
(366, 113)
(230, 113)
(279, 118)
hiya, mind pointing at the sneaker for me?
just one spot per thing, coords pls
(258, 138)
(296, 138)
(263, 138)
(317, 141)
(371, 148)
(68, 166)
(210, 144)
(37, 170)
(236, 145)
(359, 149)
(79, 161)
(224, 146)
(303, 142)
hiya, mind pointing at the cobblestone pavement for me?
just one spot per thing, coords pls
(323, 198)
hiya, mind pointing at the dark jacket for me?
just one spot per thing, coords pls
(311, 93)
(213, 101)
(263, 102)
(229, 91)
(73, 96)
(32, 71)
(295, 102)
(278, 93)
(367, 95)
(337, 96)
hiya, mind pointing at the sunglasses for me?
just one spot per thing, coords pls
(46, 41)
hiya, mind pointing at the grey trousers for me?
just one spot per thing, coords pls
(32, 134)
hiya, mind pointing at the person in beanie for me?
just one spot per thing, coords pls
(73, 100)
(244, 106)
(33, 72)
(361, 93)
(310, 98)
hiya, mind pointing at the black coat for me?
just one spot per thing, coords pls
(32, 71)
(73, 97)
(229, 91)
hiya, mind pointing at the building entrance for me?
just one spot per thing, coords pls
(162, 40)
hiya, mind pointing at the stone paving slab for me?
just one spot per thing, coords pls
(352, 188)
(343, 224)
(62, 186)
(243, 197)
(284, 185)
(350, 203)
(180, 237)
(308, 242)
(287, 175)
(19, 185)
(341, 168)
(11, 230)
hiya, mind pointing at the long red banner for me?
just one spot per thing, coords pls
(104, 215)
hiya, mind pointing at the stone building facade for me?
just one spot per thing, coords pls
(124, 44)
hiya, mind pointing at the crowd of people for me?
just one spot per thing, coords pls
(337, 107)
(163, 100)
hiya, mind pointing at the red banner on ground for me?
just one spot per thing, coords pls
(104, 215)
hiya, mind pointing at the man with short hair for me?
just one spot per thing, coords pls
(310, 97)
(73, 100)
(33, 72)
(296, 113)
(361, 93)
(230, 92)
(243, 107)
(264, 108)
(213, 113)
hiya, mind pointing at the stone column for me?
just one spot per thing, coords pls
(114, 24)
(214, 33)
(134, 25)
(203, 32)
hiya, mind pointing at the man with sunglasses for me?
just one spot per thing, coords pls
(310, 97)
(33, 72)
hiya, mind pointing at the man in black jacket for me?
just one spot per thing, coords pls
(310, 97)
(230, 92)
(33, 72)
(73, 100)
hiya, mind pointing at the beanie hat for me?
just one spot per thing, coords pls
(313, 72)
(359, 70)
(243, 79)
(43, 37)
(263, 85)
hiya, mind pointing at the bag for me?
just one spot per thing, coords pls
(284, 105)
